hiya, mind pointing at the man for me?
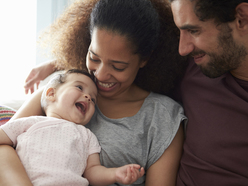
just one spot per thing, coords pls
(214, 91)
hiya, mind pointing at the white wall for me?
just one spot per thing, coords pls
(21, 22)
(17, 44)
(47, 12)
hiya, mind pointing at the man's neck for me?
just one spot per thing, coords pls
(241, 72)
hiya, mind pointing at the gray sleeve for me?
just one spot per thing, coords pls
(166, 119)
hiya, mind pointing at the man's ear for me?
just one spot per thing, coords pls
(50, 94)
(242, 17)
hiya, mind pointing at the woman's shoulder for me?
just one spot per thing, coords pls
(162, 106)
(162, 100)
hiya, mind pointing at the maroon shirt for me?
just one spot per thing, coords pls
(216, 144)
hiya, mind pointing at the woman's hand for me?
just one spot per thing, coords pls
(37, 74)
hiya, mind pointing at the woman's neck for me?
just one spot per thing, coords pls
(125, 105)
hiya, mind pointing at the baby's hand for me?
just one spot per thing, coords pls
(129, 173)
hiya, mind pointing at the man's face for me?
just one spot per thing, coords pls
(213, 48)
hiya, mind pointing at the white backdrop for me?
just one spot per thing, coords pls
(21, 22)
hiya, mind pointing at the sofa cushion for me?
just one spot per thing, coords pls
(5, 114)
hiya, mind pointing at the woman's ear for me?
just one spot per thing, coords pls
(50, 94)
(143, 63)
(242, 17)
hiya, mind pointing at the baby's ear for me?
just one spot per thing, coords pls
(50, 94)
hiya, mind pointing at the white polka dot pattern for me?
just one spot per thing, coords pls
(53, 151)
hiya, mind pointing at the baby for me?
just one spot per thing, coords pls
(57, 149)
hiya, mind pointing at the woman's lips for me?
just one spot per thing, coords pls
(105, 86)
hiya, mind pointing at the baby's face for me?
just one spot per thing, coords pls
(76, 98)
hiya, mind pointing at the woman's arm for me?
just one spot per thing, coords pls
(4, 139)
(31, 107)
(12, 171)
(164, 171)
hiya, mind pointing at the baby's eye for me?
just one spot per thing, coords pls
(79, 87)
(93, 100)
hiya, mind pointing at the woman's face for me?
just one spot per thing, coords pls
(111, 59)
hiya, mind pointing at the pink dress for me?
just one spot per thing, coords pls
(53, 151)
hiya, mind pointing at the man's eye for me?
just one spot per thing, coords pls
(93, 100)
(193, 31)
(79, 87)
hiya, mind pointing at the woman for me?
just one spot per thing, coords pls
(131, 48)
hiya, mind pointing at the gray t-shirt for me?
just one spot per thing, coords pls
(140, 139)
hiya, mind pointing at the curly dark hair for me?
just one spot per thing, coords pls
(221, 11)
(69, 38)
(140, 27)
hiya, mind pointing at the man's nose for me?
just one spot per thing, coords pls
(186, 45)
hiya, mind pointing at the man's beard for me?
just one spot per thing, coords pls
(229, 56)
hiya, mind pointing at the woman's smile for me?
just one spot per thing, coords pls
(105, 86)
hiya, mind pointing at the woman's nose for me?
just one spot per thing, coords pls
(102, 73)
(186, 46)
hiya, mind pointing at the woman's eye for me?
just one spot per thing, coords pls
(79, 87)
(95, 60)
(118, 69)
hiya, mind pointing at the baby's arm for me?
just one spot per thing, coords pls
(97, 174)
(4, 139)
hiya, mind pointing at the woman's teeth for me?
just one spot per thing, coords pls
(106, 85)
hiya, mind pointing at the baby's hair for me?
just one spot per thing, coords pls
(59, 79)
(62, 76)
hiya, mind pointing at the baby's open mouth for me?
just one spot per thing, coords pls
(82, 107)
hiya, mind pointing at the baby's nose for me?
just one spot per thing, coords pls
(87, 97)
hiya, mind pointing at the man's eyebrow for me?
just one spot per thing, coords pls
(189, 27)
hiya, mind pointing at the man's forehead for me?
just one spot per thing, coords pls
(183, 14)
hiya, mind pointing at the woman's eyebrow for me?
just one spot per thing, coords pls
(111, 60)
(93, 53)
(120, 62)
